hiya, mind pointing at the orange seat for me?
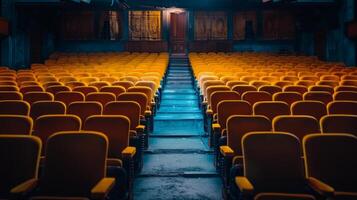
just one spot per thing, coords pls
(10, 95)
(312, 108)
(40, 108)
(57, 88)
(32, 97)
(345, 95)
(69, 97)
(241, 89)
(295, 88)
(339, 123)
(85, 89)
(324, 97)
(287, 97)
(271, 109)
(271, 89)
(342, 107)
(116, 90)
(101, 97)
(14, 107)
(85, 109)
(254, 96)
(15, 125)
(31, 88)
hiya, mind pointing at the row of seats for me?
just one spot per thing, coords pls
(247, 92)
(111, 96)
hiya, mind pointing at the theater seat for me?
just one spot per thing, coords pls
(75, 166)
(339, 123)
(342, 107)
(336, 181)
(315, 109)
(14, 107)
(40, 108)
(19, 158)
(298, 125)
(261, 175)
(15, 125)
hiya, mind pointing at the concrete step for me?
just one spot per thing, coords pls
(178, 163)
(177, 109)
(179, 97)
(160, 188)
(179, 91)
(177, 144)
(180, 116)
(182, 103)
(167, 126)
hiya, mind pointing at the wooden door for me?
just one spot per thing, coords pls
(178, 32)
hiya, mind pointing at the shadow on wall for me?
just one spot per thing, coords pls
(90, 46)
(265, 46)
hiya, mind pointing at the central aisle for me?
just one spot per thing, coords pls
(178, 164)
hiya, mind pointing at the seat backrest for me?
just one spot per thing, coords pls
(9, 88)
(287, 97)
(74, 84)
(339, 123)
(305, 83)
(346, 88)
(84, 109)
(69, 97)
(239, 125)
(211, 89)
(209, 83)
(260, 149)
(342, 107)
(298, 125)
(32, 97)
(125, 84)
(254, 96)
(115, 127)
(101, 97)
(99, 84)
(312, 108)
(345, 95)
(283, 84)
(321, 149)
(137, 97)
(40, 108)
(57, 88)
(295, 88)
(143, 89)
(322, 88)
(116, 90)
(74, 163)
(47, 125)
(31, 88)
(130, 109)
(271, 109)
(323, 97)
(227, 108)
(85, 89)
(231, 84)
(219, 96)
(271, 89)
(241, 89)
(14, 107)
(15, 125)
(19, 158)
(10, 95)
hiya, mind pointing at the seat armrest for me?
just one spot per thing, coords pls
(244, 185)
(216, 127)
(320, 187)
(24, 187)
(140, 128)
(147, 113)
(102, 189)
(128, 152)
(209, 112)
(226, 151)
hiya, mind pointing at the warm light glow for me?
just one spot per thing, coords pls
(175, 10)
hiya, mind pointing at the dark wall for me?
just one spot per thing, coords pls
(17, 49)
